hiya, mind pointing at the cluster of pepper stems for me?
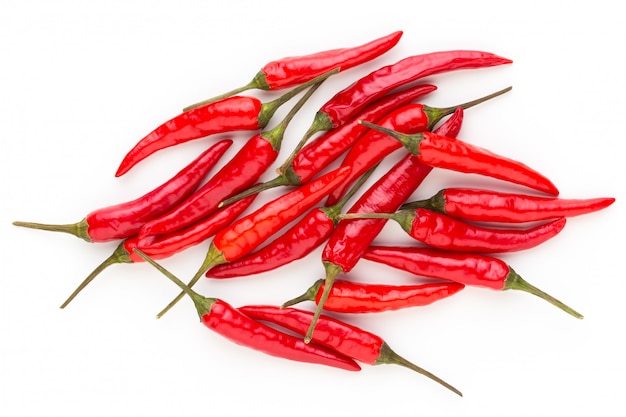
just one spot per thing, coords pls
(457, 229)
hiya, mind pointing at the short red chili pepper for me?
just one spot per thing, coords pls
(245, 168)
(351, 100)
(359, 297)
(340, 336)
(237, 113)
(231, 323)
(125, 219)
(486, 205)
(451, 153)
(466, 268)
(246, 234)
(164, 246)
(294, 70)
(445, 232)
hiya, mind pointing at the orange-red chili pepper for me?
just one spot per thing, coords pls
(294, 70)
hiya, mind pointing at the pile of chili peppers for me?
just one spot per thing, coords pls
(458, 231)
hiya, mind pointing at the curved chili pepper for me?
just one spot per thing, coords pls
(358, 297)
(485, 205)
(246, 234)
(227, 115)
(445, 232)
(294, 70)
(229, 322)
(351, 238)
(125, 219)
(245, 168)
(349, 101)
(340, 336)
(469, 269)
(451, 153)
(372, 147)
(162, 247)
(319, 153)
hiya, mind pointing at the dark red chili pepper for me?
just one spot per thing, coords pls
(245, 168)
(352, 99)
(372, 147)
(485, 205)
(246, 234)
(358, 297)
(319, 153)
(231, 323)
(294, 70)
(227, 115)
(445, 232)
(164, 246)
(125, 219)
(466, 268)
(451, 153)
(340, 336)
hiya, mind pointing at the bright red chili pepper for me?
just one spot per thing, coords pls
(252, 160)
(229, 322)
(164, 246)
(294, 70)
(451, 153)
(358, 297)
(246, 234)
(466, 268)
(342, 337)
(351, 100)
(125, 219)
(319, 153)
(485, 205)
(372, 147)
(227, 115)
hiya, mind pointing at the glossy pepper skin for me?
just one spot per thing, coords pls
(291, 71)
(125, 219)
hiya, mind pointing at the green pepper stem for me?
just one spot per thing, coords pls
(77, 229)
(332, 270)
(308, 295)
(410, 142)
(251, 85)
(276, 182)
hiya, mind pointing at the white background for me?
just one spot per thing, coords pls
(81, 82)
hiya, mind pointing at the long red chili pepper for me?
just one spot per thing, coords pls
(164, 246)
(351, 100)
(372, 147)
(351, 238)
(246, 234)
(444, 232)
(227, 115)
(231, 323)
(245, 168)
(340, 336)
(319, 153)
(125, 219)
(294, 70)
(466, 268)
(486, 205)
(359, 297)
(451, 153)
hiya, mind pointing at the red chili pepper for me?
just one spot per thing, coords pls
(227, 115)
(466, 268)
(451, 153)
(351, 100)
(294, 70)
(125, 219)
(162, 247)
(485, 205)
(245, 168)
(319, 153)
(342, 337)
(229, 322)
(372, 147)
(358, 297)
(246, 234)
